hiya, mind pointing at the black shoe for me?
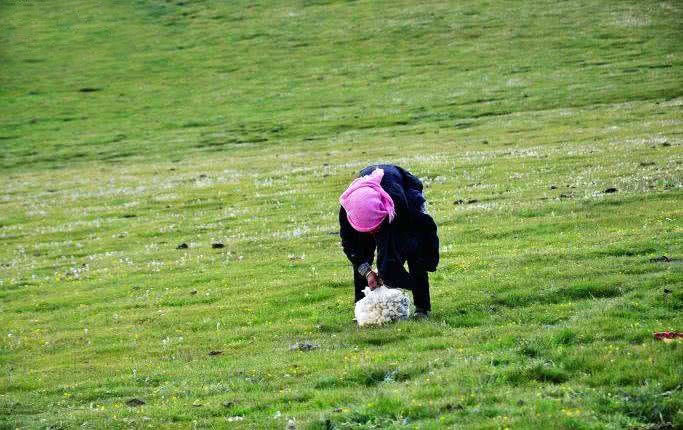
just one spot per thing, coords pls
(421, 314)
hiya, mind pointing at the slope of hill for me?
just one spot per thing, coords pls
(549, 139)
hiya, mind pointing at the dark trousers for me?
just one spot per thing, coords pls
(418, 283)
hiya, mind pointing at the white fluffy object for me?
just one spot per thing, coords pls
(382, 305)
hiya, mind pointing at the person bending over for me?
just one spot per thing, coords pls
(384, 209)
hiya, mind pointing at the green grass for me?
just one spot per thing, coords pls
(127, 128)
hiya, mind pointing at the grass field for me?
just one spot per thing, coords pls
(130, 127)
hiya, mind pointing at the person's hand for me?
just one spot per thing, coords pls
(373, 280)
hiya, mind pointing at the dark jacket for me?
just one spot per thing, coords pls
(411, 236)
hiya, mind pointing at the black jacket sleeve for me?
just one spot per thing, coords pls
(427, 242)
(389, 260)
(358, 247)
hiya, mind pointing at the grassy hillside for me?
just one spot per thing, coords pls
(128, 128)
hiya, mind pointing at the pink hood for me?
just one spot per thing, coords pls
(366, 203)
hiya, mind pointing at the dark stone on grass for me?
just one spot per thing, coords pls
(665, 143)
(661, 259)
(212, 353)
(193, 292)
(553, 187)
(182, 246)
(217, 245)
(611, 190)
(470, 201)
(459, 202)
(129, 215)
(303, 346)
(135, 402)
(453, 407)
(89, 89)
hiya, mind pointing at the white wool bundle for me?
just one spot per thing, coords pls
(382, 305)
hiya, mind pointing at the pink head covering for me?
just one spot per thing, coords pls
(366, 203)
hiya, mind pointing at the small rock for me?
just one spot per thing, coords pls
(553, 187)
(459, 202)
(182, 246)
(470, 201)
(291, 424)
(215, 352)
(454, 407)
(611, 190)
(135, 402)
(217, 245)
(661, 259)
(304, 346)
(193, 292)
(666, 143)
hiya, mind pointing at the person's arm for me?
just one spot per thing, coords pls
(428, 255)
(358, 247)
(394, 275)
(389, 263)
